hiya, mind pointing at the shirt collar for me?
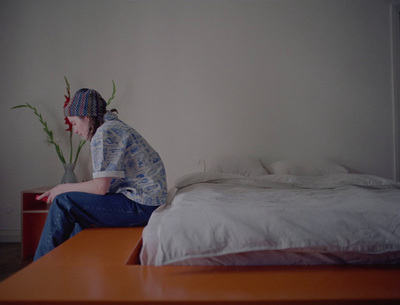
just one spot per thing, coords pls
(109, 116)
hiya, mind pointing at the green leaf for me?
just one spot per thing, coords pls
(113, 94)
(66, 82)
(19, 106)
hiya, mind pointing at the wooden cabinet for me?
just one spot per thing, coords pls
(34, 214)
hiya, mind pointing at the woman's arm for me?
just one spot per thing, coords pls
(97, 186)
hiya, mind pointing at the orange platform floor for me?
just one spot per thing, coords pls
(100, 266)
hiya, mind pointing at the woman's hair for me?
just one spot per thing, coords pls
(95, 122)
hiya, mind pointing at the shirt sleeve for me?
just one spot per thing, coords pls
(107, 154)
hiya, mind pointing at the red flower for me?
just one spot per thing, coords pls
(67, 122)
(67, 99)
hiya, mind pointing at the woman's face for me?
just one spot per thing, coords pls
(80, 125)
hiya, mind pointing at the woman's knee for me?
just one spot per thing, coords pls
(64, 202)
(61, 200)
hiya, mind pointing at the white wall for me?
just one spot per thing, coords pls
(273, 79)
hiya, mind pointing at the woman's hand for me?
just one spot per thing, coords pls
(97, 186)
(52, 193)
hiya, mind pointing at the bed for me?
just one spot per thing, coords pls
(284, 213)
(125, 265)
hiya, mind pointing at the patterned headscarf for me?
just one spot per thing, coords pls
(86, 102)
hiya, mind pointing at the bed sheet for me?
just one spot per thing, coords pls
(220, 219)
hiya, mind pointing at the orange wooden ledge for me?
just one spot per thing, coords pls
(99, 266)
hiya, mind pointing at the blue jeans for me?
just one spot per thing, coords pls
(71, 212)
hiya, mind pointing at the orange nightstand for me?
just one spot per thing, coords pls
(34, 214)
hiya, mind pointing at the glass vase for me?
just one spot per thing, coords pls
(69, 175)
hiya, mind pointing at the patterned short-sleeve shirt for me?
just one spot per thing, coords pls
(120, 152)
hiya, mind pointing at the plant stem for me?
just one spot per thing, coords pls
(71, 148)
(81, 144)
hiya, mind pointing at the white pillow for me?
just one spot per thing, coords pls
(312, 168)
(244, 166)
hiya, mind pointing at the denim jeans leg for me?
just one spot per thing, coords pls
(73, 211)
(57, 229)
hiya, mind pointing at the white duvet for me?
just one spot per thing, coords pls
(276, 219)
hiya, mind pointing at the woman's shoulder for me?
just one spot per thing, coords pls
(116, 128)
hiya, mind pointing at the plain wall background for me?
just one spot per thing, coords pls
(271, 79)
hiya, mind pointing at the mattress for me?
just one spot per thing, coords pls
(227, 219)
